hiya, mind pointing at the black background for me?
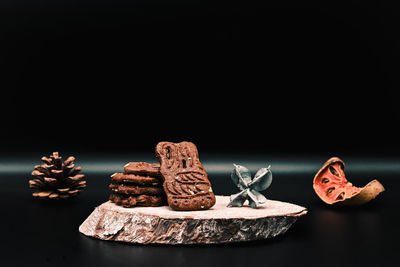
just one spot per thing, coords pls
(229, 76)
(290, 83)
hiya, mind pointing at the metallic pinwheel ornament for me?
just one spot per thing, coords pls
(250, 187)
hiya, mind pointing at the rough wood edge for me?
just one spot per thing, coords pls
(134, 227)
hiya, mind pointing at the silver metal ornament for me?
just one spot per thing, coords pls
(250, 187)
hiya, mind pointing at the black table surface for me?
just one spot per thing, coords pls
(45, 233)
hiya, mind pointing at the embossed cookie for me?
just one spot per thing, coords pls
(138, 200)
(136, 179)
(137, 190)
(143, 168)
(185, 180)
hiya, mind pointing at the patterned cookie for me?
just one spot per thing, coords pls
(137, 190)
(139, 200)
(143, 168)
(185, 180)
(136, 179)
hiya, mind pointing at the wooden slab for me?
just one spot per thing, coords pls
(163, 225)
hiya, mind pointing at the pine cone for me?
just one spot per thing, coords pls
(56, 179)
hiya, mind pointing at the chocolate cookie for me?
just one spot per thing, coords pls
(136, 179)
(143, 168)
(137, 190)
(140, 200)
(185, 180)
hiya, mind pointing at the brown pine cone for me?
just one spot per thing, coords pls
(56, 179)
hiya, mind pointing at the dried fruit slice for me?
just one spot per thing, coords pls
(332, 187)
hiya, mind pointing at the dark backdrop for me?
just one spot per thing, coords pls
(229, 76)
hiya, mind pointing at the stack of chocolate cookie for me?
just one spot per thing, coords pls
(140, 184)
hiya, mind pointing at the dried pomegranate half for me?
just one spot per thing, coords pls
(332, 187)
